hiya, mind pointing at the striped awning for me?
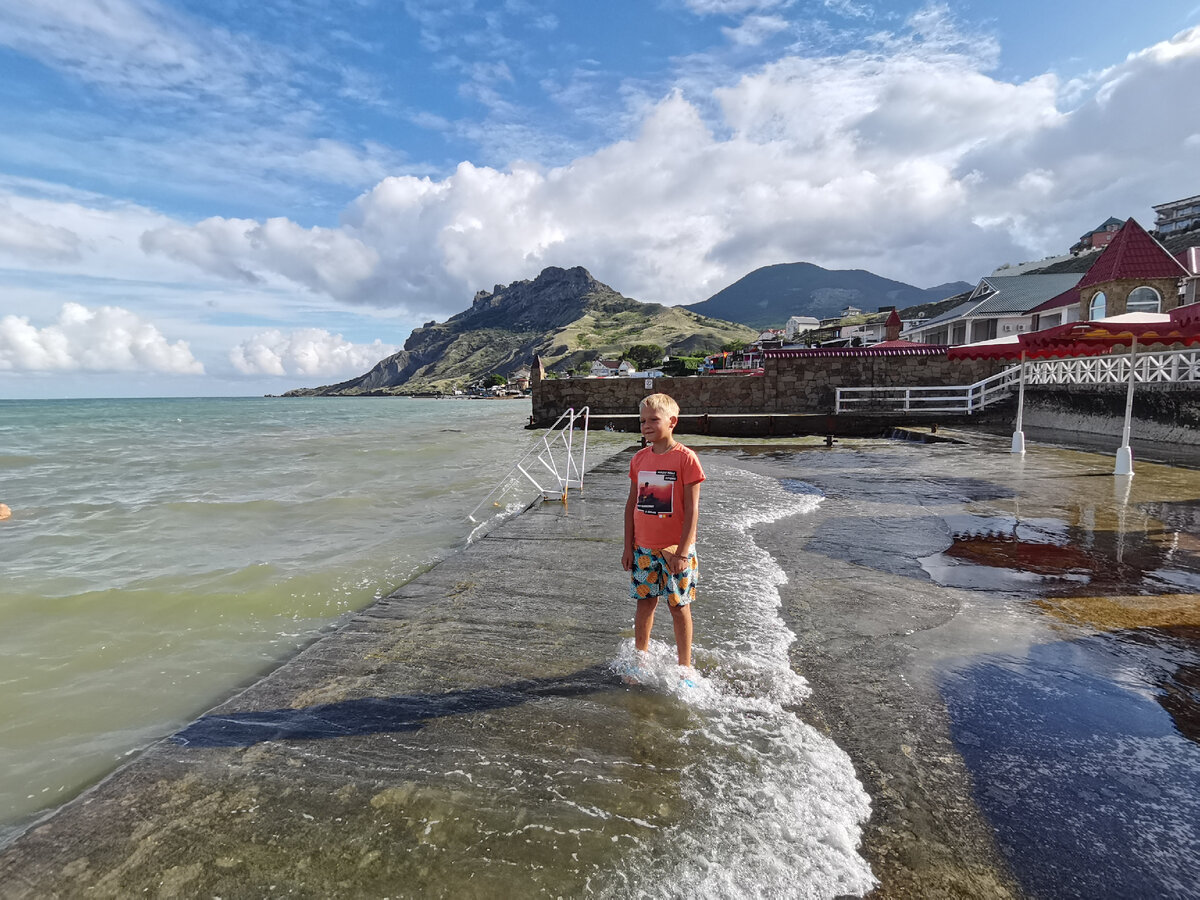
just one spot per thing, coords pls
(867, 352)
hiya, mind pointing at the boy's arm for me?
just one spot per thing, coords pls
(691, 516)
(630, 505)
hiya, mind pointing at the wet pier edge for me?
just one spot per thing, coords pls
(312, 781)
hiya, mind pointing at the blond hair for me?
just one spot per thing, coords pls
(662, 403)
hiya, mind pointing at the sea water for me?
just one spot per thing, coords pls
(163, 553)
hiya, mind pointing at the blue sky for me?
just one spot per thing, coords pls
(218, 197)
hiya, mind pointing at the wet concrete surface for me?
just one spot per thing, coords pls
(1009, 657)
(1008, 649)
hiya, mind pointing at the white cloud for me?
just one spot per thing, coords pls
(107, 339)
(330, 261)
(131, 46)
(22, 236)
(753, 30)
(843, 160)
(305, 352)
(731, 7)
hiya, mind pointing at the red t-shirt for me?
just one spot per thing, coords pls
(660, 479)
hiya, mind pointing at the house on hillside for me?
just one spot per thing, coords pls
(848, 312)
(875, 328)
(1097, 238)
(797, 325)
(520, 378)
(1178, 215)
(771, 337)
(1000, 305)
(604, 368)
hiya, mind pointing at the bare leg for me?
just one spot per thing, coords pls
(643, 621)
(681, 618)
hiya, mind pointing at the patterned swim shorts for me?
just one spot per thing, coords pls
(652, 578)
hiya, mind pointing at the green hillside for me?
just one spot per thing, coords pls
(564, 316)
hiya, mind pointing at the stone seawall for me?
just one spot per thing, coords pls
(789, 385)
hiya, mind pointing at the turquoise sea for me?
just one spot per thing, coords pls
(163, 553)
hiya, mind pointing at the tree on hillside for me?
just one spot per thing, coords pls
(494, 380)
(645, 356)
(733, 346)
(682, 365)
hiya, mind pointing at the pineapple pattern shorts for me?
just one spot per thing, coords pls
(652, 579)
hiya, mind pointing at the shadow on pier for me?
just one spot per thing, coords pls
(378, 715)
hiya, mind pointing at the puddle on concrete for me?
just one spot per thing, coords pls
(1064, 558)
(1086, 760)
(1087, 750)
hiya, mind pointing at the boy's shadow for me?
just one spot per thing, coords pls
(375, 715)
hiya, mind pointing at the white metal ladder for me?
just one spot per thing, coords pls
(555, 450)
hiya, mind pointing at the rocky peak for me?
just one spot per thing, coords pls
(555, 293)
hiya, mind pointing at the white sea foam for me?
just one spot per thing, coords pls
(776, 808)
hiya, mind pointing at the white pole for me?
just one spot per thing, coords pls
(1018, 441)
(1124, 464)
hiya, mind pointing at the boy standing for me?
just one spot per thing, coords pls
(660, 525)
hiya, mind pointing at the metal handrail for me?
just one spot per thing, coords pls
(560, 437)
(965, 398)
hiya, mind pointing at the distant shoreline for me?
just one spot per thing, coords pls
(379, 396)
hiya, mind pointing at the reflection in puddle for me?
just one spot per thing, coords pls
(1086, 753)
(1068, 558)
(1086, 759)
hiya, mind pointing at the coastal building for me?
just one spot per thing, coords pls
(1189, 291)
(884, 325)
(728, 362)
(1098, 238)
(1133, 274)
(797, 325)
(520, 379)
(604, 368)
(999, 306)
(848, 312)
(853, 329)
(1178, 215)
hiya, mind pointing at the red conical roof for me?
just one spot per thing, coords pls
(1132, 253)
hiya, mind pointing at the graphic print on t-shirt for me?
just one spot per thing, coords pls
(654, 491)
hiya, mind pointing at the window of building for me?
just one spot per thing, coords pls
(1144, 299)
(1097, 306)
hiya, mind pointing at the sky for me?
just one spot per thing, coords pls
(239, 197)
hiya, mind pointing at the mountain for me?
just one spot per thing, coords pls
(564, 315)
(769, 296)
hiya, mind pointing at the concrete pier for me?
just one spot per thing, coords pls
(352, 768)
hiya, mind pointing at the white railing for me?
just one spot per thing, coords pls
(1164, 367)
(555, 451)
(966, 398)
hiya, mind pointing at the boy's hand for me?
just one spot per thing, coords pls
(676, 563)
(627, 559)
